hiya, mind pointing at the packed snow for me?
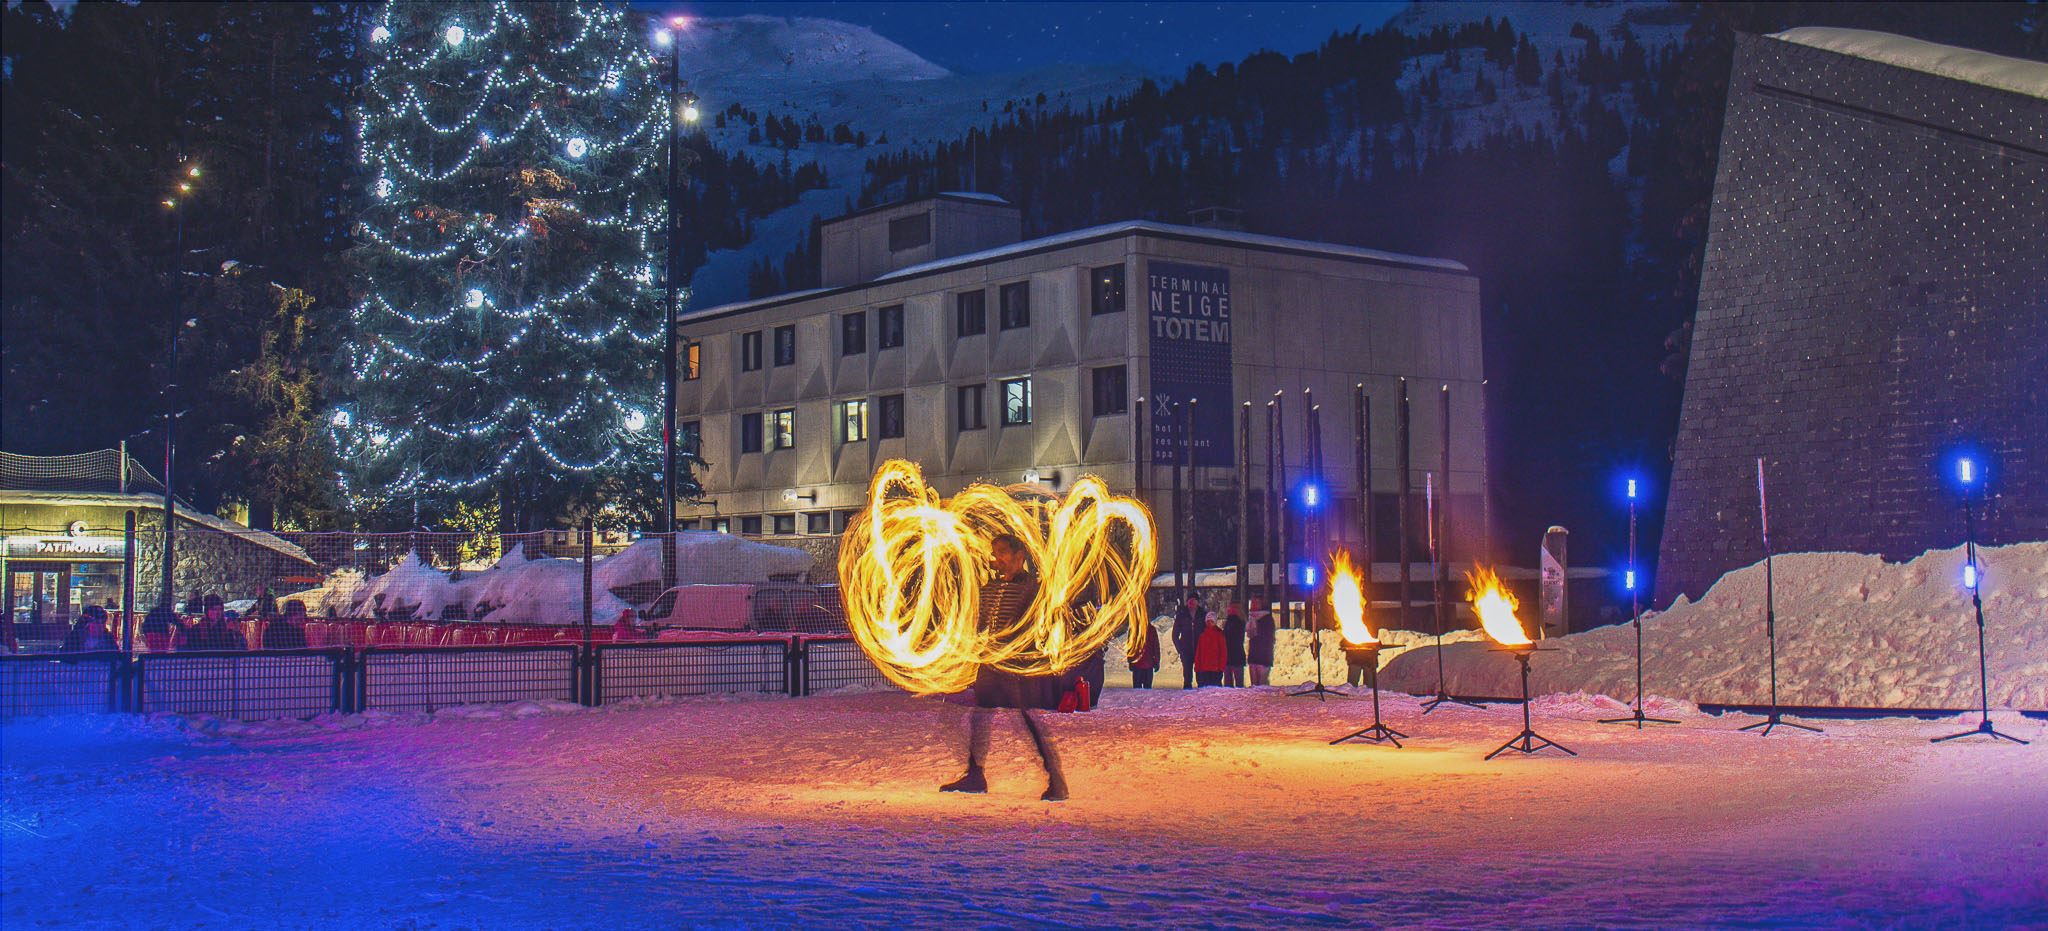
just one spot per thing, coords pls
(1853, 631)
(1217, 808)
(549, 590)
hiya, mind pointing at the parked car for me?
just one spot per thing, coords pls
(773, 606)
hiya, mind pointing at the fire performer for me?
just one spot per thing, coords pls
(1003, 602)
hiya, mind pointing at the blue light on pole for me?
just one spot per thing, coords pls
(1631, 489)
(1970, 576)
(1966, 471)
(1630, 580)
(1311, 496)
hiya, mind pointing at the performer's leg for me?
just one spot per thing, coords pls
(1055, 779)
(977, 751)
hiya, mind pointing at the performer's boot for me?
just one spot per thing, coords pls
(973, 783)
(1055, 788)
(1055, 779)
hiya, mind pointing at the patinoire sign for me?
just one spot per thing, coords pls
(63, 549)
(1190, 322)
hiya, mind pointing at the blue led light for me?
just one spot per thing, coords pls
(1966, 470)
(1310, 495)
(1630, 582)
(1970, 576)
(1631, 488)
(1310, 572)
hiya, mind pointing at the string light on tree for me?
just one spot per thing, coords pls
(508, 333)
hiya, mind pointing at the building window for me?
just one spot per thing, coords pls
(970, 400)
(782, 429)
(693, 360)
(750, 432)
(785, 524)
(1016, 402)
(750, 351)
(853, 333)
(971, 310)
(689, 523)
(853, 421)
(751, 525)
(843, 519)
(1016, 305)
(1109, 385)
(721, 525)
(910, 232)
(891, 425)
(785, 345)
(818, 522)
(689, 436)
(889, 327)
(1107, 287)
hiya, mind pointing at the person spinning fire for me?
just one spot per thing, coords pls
(1003, 602)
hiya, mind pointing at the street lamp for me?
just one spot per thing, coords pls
(678, 106)
(171, 407)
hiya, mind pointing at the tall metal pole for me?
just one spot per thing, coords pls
(1187, 513)
(1270, 512)
(1362, 436)
(1244, 505)
(170, 456)
(1443, 519)
(1315, 535)
(127, 579)
(1401, 462)
(1180, 585)
(1283, 611)
(673, 288)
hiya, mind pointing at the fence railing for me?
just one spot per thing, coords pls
(256, 685)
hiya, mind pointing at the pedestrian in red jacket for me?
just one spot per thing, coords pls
(1147, 662)
(1211, 652)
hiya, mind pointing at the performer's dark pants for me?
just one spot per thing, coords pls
(1141, 678)
(1233, 676)
(1187, 670)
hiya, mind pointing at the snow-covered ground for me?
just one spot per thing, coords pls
(1216, 808)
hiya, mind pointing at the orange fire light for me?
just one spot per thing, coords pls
(1496, 608)
(1347, 601)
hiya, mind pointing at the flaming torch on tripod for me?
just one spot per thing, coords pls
(1496, 607)
(1347, 602)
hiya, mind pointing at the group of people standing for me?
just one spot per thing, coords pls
(1213, 649)
(164, 630)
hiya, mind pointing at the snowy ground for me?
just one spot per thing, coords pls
(1216, 808)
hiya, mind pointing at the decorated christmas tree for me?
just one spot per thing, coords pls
(507, 338)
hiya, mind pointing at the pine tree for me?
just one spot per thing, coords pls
(508, 335)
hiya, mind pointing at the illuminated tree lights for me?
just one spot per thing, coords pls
(508, 331)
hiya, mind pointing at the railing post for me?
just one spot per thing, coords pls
(796, 667)
(593, 675)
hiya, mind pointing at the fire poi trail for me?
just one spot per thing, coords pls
(911, 569)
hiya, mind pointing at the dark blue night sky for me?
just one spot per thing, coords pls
(1163, 37)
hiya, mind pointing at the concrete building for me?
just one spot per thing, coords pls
(942, 339)
(1874, 298)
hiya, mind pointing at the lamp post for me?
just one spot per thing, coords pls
(186, 179)
(681, 110)
(1972, 479)
(1635, 615)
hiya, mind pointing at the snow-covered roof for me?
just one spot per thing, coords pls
(1169, 229)
(1105, 231)
(2012, 74)
(974, 195)
(153, 502)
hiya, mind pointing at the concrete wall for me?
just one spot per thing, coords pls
(1875, 292)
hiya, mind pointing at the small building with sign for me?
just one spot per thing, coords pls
(65, 524)
(944, 338)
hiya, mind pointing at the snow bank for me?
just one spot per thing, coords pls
(1853, 630)
(702, 559)
(409, 587)
(549, 591)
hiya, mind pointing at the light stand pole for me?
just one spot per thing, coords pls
(1443, 694)
(679, 111)
(1974, 580)
(1313, 498)
(1635, 616)
(1770, 611)
(1379, 731)
(191, 173)
(1528, 741)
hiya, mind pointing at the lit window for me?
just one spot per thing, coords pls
(693, 360)
(853, 421)
(1016, 402)
(782, 429)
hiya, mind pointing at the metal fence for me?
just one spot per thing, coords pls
(261, 684)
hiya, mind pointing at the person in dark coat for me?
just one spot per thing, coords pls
(1147, 662)
(1187, 631)
(1004, 599)
(212, 632)
(287, 632)
(89, 634)
(1211, 652)
(1258, 652)
(159, 627)
(1233, 645)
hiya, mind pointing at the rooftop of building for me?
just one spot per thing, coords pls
(1092, 234)
(2017, 75)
